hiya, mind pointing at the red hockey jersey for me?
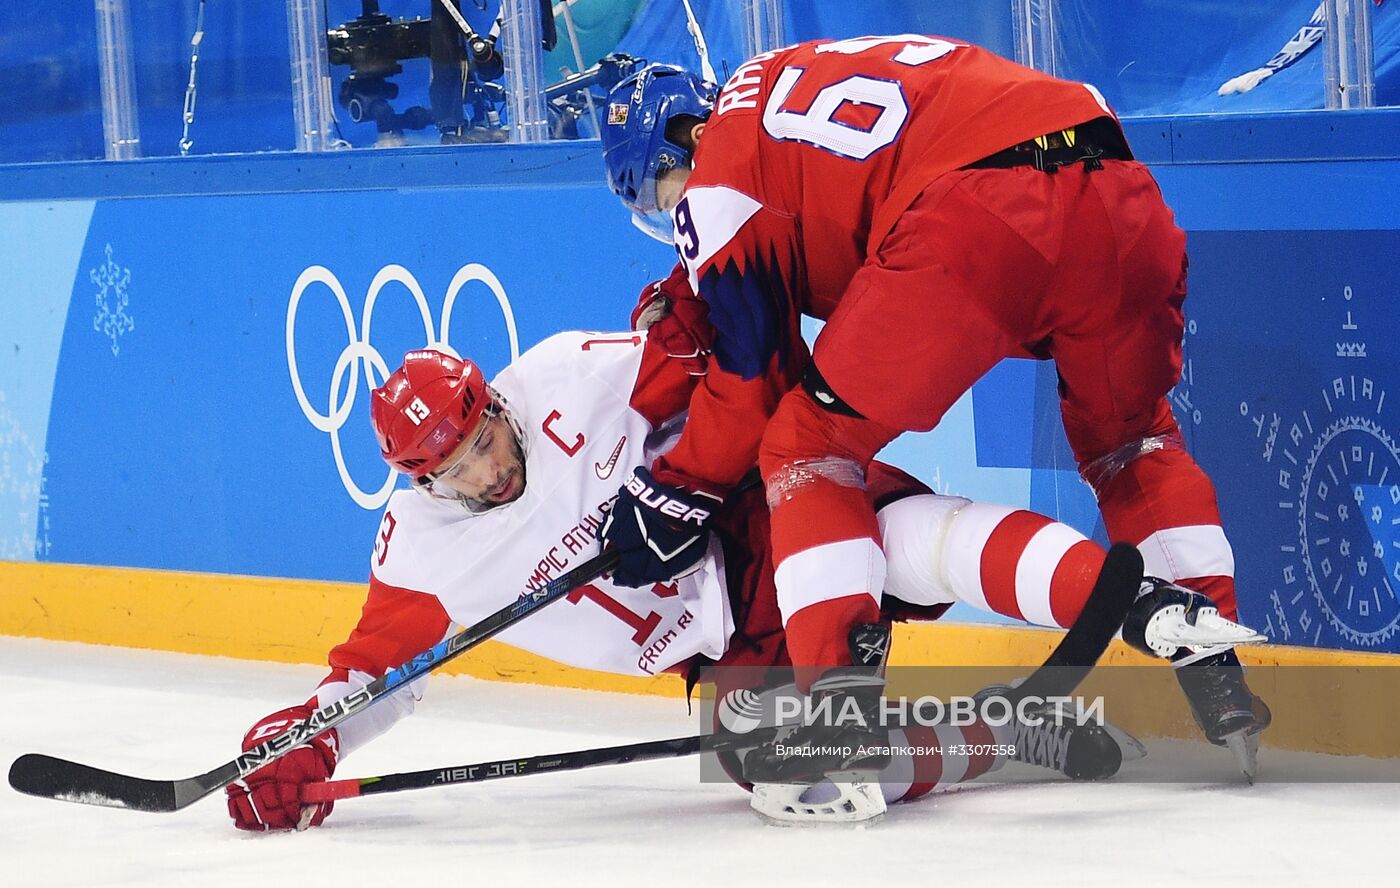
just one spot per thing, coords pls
(809, 158)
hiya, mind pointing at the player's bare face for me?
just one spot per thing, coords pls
(489, 467)
(669, 185)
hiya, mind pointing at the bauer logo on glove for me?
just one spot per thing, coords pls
(670, 506)
(659, 530)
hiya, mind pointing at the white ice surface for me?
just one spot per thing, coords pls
(167, 716)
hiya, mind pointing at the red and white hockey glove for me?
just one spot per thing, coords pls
(270, 797)
(678, 320)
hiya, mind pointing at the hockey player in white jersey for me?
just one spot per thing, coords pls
(511, 483)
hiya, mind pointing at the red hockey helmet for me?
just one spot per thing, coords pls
(426, 409)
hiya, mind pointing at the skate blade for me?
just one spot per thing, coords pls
(818, 824)
(1245, 748)
(1132, 748)
(856, 805)
(1210, 631)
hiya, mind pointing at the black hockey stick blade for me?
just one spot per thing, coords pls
(62, 780)
(53, 778)
(1092, 631)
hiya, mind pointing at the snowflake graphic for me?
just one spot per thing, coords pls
(112, 281)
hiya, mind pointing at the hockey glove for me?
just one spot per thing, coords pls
(659, 531)
(677, 320)
(270, 797)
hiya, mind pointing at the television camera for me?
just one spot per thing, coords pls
(465, 93)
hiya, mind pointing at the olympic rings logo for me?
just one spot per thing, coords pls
(360, 355)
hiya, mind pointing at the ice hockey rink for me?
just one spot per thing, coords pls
(167, 716)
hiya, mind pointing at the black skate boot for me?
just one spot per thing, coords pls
(825, 769)
(1228, 712)
(1088, 751)
(1171, 621)
(841, 733)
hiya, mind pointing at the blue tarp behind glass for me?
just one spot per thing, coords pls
(1148, 57)
(658, 31)
(50, 103)
(52, 95)
(1169, 57)
(984, 22)
(243, 95)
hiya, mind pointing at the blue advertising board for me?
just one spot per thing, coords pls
(1292, 361)
(183, 375)
(195, 370)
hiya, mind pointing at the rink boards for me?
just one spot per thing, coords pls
(1323, 701)
(186, 343)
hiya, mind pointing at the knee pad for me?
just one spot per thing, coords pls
(791, 479)
(915, 532)
(1100, 472)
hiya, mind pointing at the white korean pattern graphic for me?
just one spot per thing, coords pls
(21, 485)
(112, 319)
(1338, 475)
(1186, 410)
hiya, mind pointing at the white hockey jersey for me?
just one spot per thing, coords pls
(573, 398)
(590, 406)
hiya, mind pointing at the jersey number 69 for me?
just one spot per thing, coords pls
(817, 125)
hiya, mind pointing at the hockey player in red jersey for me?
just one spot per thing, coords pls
(941, 208)
(511, 485)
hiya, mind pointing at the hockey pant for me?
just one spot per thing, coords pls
(988, 264)
(941, 550)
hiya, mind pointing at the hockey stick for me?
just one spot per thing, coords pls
(56, 778)
(645, 751)
(1068, 664)
(1091, 632)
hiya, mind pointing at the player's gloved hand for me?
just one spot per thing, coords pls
(270, 797)
(678, 320)
(660, 530)
(652, 305)
(1245, 82)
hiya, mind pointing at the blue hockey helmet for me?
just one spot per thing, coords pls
(635, 147)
